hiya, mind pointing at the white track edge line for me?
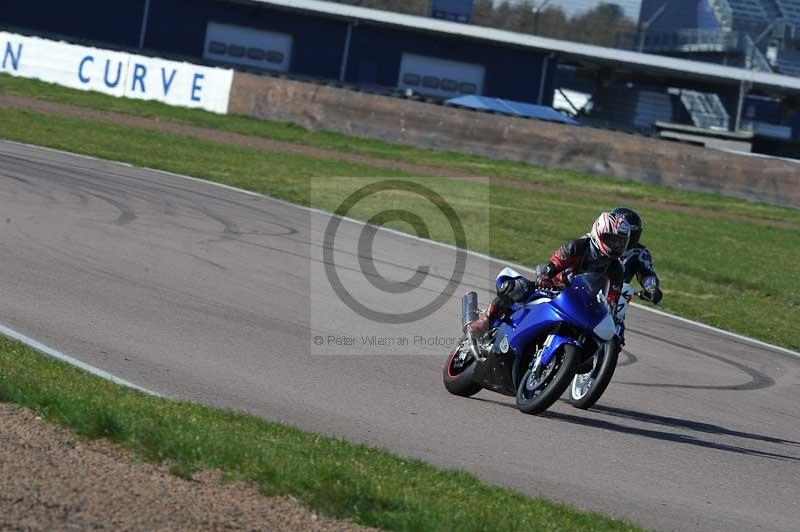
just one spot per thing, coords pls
(413, 237)
(759, 343)
(58, 355)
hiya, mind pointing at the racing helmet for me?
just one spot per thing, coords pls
(610, 235)
(634, 220)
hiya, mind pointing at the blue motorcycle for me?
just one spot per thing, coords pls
(534, 352)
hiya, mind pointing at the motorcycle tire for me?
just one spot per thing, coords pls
(605, 373)
(568, 361)
(459, 382)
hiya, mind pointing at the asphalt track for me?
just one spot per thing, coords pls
(209, 294)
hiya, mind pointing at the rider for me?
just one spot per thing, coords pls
(598, 251)
(637, 259)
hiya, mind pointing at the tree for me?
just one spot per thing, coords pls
(502, 15)
(599, 25)
(409, 7)
(553, 22)
(482, 11)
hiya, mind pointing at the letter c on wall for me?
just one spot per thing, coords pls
(87, 59)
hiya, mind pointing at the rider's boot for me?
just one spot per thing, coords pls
(484, 321)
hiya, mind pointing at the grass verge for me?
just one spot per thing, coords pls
(725, 272)
(286, 132)
(340, 479)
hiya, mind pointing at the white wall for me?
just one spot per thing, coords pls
(116, 73)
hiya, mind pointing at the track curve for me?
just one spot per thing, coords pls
(213, 295)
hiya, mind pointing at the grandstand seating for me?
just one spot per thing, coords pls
(738, 31)
(705, 109)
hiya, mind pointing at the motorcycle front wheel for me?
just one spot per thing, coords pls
(458, 370)
(537, 394)
(587, 389)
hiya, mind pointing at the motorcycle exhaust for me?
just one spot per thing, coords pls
(469, 308)
(469, 313)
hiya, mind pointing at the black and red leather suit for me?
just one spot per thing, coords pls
(574, 257)
(581, 256)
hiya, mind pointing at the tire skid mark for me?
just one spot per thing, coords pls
(188, 195)
(691, 327)
(18, 179)
(63, 180)
(103, 181)
(157, 189)
(167, 293)
(30, 187)
(232, 228)
(169, 207)
(758, 380)
(126, 213)
(155, 193)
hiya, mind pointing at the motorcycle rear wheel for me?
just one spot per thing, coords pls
(583, 398)
(458, 381)
(529, 402)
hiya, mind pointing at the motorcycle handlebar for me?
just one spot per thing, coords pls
(547, 292)
(553, 292)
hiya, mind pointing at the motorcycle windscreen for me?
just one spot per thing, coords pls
(584, 302)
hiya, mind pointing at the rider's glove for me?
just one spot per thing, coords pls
(651, 290)
(544, 281)
(653, 293)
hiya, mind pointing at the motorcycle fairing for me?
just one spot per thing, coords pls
(516, 337)
(506, 274)
(528, 322)
(585, 308)
(498, 372)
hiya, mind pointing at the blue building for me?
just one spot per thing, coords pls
(441, 59)
(268, 37)
(454, 10)
(756, 34)
(759, 35)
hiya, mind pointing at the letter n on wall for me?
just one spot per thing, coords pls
(9, 55)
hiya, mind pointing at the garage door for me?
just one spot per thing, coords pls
(440, 77)
(237, 45)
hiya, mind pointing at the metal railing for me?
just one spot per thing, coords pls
(687, 40)
(754, 57)
(697, 41)
(765, 129)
